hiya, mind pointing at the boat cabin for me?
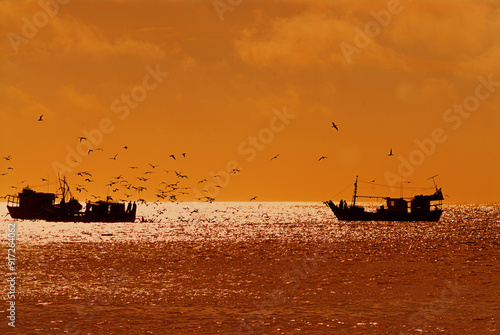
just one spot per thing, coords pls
(397, 205)
(29, 199)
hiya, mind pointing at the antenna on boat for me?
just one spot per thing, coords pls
(355, 192)
(434, 180)
(401, 183)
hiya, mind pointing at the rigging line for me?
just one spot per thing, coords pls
(406, 187)
(350, 184)
(42, 185)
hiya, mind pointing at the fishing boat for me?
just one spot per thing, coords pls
(32, 205)
(418, 208)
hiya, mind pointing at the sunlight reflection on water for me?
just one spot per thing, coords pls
(206, 267)
(247, 221)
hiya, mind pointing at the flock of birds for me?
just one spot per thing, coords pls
(132, 187)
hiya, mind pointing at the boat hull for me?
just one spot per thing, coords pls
(59, 216)
(87, 217)
(25, 214)
(358, 214)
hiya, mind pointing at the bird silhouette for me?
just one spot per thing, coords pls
(334, 126)
(254, 198)
(183, 154)
(81, 138)
(125, 147)
(153, 166)
(88, 152)
(8, 158)
(40, 118)
(390, 153)
(275, 157)
(172, 156)
(114, 158)
(322, 157)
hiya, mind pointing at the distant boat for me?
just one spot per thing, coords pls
(418, 208)
(32, 205)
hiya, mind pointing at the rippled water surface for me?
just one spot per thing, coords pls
(257, 268)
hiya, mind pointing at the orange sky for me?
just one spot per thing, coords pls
(234, 83)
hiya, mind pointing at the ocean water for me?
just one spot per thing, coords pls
(256, 268)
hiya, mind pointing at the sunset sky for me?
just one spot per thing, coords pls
(234, 83)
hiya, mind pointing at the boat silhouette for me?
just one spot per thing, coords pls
(418, 208)
(32, 205)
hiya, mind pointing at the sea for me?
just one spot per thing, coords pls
(252, 268)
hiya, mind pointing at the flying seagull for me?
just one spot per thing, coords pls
(172, 157)
(275, 157)
(254, 198)
(334, 126)
(322, 157)
(390, 153)
(40, 118)
(82, 138)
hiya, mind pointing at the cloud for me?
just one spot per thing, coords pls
(26, 104)
(424, 36)
(426, 91)
(443, 30)
(80, 100)
(302, 40)
(62, 34)
(71, 36)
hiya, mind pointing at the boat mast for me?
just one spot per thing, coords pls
(401, 185)
(355, 192)
(61, 187)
